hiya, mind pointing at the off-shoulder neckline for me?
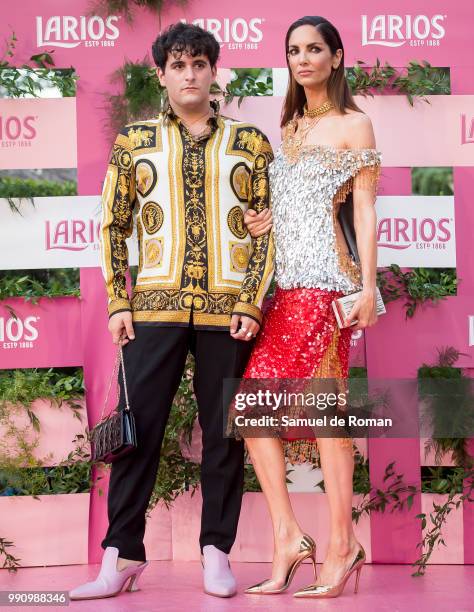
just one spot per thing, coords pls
(293, 124)
(317, 145)
(330, 153)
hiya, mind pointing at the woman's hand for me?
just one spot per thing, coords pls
(364, 310)
(260, 223)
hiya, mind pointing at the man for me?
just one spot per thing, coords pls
(190, 174)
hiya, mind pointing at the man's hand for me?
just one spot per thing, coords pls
(258, 223)
(248, 328)
(121, 327)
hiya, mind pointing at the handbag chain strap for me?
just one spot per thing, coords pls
(119, 360)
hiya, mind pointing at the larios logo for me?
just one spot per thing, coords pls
(467, 133)
(17, 131)
(401, 233)
(18, 333)
(72, 235)
(68, 31)
(396, 30)
(238, 33)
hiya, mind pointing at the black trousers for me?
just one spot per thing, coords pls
(154, 364)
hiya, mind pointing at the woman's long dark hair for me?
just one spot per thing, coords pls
(338, 89)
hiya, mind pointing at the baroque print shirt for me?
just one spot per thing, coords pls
(187, 196)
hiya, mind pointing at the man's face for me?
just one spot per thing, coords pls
(187, 79)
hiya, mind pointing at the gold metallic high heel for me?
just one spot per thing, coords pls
(327, 590)
(307, 551)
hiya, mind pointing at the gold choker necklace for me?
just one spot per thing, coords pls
(318, 111)
(296, 132)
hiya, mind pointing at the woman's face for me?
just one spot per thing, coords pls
(310, 58)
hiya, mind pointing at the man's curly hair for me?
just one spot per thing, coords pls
(187, 38)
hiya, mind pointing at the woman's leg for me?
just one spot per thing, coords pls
(269, 463)
(337, 464)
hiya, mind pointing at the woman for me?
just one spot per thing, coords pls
(327, 158)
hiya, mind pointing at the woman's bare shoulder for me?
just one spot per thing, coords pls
(359, 130)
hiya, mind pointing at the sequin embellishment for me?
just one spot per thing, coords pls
(305, 192)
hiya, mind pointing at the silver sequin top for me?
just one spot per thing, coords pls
(303, 200)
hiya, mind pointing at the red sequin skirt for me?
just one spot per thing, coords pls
(300, 339)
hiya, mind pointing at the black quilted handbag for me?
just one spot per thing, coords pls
(346, 220)
(114, 436)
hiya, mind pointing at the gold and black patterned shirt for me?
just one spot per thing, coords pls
(188, 196)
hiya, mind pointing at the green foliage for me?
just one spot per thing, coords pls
(10, 562)
(458, 486)
(46, 481)
(16, 205)
(251, 483)
(396, 496)
(421, 80)
(133, 274)
(14, 187)
(416, 286)
(24, 386)
(270, 294)
(361, 476)
(358, 372)
(249, 82)
(127, 7)
(21, 471)
(450, 406)
(27, 80)
(33, 284)
(417, 80)
(456, 446)
(15, 190)
(73, 475)
(175, 474)
(441, 479)
(142, 95)
(24, 474)
(432, 181)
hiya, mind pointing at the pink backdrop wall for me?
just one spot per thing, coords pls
(38, 129)
(252, 35)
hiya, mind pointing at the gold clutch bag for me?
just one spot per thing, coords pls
(343, 306)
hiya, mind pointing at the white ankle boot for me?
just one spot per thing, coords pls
(110, 581)
(218, 577)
